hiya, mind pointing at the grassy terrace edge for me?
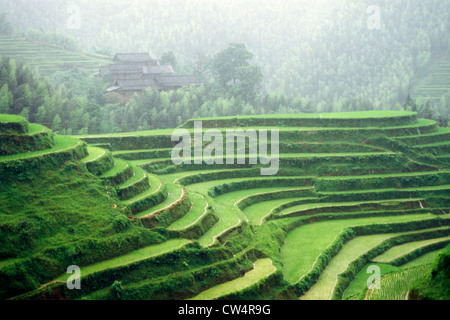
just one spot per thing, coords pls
(215, 219)
(330, 115)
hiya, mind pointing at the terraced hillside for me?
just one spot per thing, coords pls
(46, 58)
(352, 190)
(437, 81)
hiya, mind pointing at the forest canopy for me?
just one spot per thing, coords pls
(297, 56)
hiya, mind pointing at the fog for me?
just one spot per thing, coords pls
(331, 53)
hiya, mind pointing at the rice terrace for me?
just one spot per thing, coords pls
(253, 155)
(353, 190)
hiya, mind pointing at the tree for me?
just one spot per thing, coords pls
(25, 113)
(12, 78)
(56, 123)
(5, 26)
(199, 65)
(410, 104)
(168, 58)
(225, 64)
(41, 114)
(250, 77)
(231, 68)
(6, 99)
(426, 111)
(116, 290)
(27, 95)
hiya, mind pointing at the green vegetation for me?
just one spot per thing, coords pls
(98, 161)
(433, 85)
(309, 232)
(61, 144)
(313, 71)
(397, 286)
(320, 208)
(87, 179)
(260, 210)
(240, 79)
(48, 59)
(61, 215)
(39, 101)
(262, 269)
(355, 250)
(322, 290)
(357, 289)
(134, 256)
(400, 250)
(226, 222)
(198, 208)
(94, 154)
(366, 116)
(117, 172)
(435, 284)
(427, 258)
(174, 194)
(304, 244)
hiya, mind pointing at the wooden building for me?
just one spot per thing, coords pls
(135, 72)
(142, 59)
(174, 82)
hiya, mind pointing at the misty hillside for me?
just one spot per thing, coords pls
(304, 56)
(120, 178)
(305, 48)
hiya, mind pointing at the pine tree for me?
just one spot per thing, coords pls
(56, 126)
(41, 114)
(6, 99)
(410, 103)
(25, 113)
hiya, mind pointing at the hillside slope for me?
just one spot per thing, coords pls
(325, 50)
(350, 188)
(48, 59)
(53, 211)
(437, 283)
(436, 82)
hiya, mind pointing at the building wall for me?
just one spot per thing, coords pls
(140, 63)
(128, 76)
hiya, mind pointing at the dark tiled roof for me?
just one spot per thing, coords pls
(104, 69)
(158, 70)
(133, 57)
(134, 69)
(138, 84)
(178, 81)
(112, 89)
(124, 68)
